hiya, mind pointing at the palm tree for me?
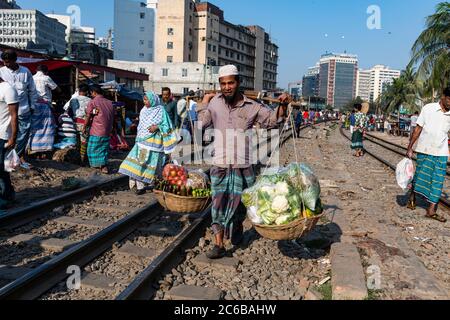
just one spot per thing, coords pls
(431, 51)
(402, 92)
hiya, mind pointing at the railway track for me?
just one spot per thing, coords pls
(395, 157)
(117, 258)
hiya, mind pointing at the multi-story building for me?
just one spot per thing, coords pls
(337, 78)
(295, 89)
(8, 4)
(134, 30)
(193, 31)
(74, 34)
(106, 42)
(90, 53)
(363, 84)
(266, 60)
(310, 83)
(372, 82)
(179, 77)
(381, 76)
(18, 28)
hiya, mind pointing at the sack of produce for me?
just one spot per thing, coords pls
(303, 179)
(197, 179)
(282, 195)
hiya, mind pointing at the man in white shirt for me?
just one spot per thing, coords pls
(432, 150)
(21, 79)
(44, 84)
(8, 134)
(43, 124)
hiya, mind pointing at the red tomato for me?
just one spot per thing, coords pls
(173, 173)
(180, 183)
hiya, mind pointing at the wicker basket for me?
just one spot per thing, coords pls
(291, 231)
(179, 204)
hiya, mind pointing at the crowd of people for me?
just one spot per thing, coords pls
(429, 139)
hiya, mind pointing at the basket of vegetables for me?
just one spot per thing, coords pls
(176, 192)
(285, 203)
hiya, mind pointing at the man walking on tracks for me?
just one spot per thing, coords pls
(432, 151)
(231, 174)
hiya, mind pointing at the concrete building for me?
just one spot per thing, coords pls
(8, 4)
(266, 60)
(193, 31)
(18, 28)
(134, 30)
(75, 34)
(310, 83)
(106, 42)
(295, 89)
(179, 77)
(363, 84)
(371, 83)
(337, 78)
(90, 53)
(381, 76)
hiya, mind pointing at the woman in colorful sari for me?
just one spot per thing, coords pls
(156, 139)
(358, 133)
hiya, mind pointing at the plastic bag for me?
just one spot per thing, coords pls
(12, 161)
(405, 173)
(197, 179)
(303, 179)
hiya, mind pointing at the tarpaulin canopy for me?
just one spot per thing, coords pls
(122, 90)
(51, 64)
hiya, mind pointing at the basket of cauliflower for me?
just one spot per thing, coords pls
(284, 204)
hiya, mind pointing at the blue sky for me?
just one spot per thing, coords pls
(303, 29)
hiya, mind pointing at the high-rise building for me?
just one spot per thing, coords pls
(338, 75)
(21, 28)
(310, 83)
(8, 4)
(193, 31)
(134, 30)
(363, 84)
(295, 89)
(372, 82)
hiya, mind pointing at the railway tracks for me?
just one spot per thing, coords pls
(117, 253)
(390, 160)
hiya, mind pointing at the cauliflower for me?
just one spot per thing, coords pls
(282, 188)
(280, 204)
(282, 220)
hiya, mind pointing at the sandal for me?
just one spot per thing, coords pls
(437, 218)
(216, 253)
(411, 205)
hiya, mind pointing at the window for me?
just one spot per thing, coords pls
(142, 70)
(170, 31)
(141, 55)
(169, 45)
(169, 59)
(209, 47)
(142, 29)
(165, 72)
(184, 72)
(141, 42)
(142, 15)
(185, 90)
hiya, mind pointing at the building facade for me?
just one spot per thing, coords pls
(90, 53)
(75, 34)
(310, 83)
(193, 31)
(338, 78)
(372, 82)
(18, 28)
(134, 30)
(295, 89)
(363, 84)
(179, 77)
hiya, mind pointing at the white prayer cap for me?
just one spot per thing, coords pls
(229, 70)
